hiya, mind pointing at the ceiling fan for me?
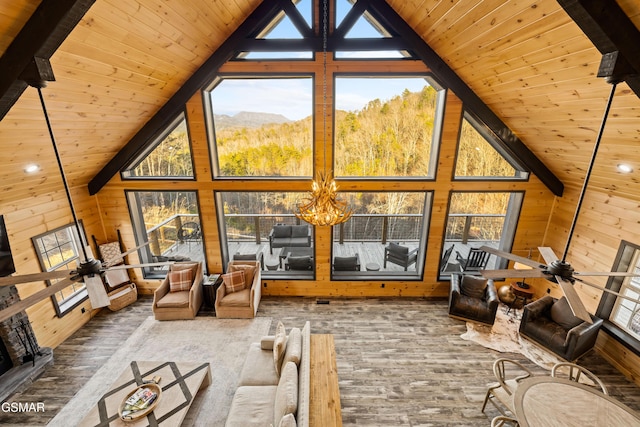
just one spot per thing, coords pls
(89, 270)
(556, 269)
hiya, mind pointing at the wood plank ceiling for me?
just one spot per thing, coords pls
(528, 61)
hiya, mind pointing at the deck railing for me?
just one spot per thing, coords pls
(164, 236)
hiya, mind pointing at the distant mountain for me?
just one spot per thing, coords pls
(247, 119)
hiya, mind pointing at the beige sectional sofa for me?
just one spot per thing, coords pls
(275, 382)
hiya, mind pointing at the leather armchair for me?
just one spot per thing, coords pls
(473, 298)
(540, 325)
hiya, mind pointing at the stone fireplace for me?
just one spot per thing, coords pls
(22, 360)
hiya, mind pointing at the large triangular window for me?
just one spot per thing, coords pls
(168, 157)
(480, 156)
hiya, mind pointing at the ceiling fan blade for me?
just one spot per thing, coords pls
(97, 293)
(21, 305)
(548, 254)
(498, 274)
(606, 273)
(570, 293)
(35, 277)
(512, 257)
(151, 264)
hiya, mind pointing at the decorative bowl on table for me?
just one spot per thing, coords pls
(125, 410)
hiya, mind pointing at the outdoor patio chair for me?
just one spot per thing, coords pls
(400, 255)
(444, 262)
(256, 256)
(346, 263)
(475, 261)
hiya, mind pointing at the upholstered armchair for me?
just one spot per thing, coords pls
(400, 255)
(550, 323)
(473, 298)
(239, 299)
(180, 293)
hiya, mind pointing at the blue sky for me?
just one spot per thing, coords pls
(267, 95)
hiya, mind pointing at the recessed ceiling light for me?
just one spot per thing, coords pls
(31, 168)
(624, 168)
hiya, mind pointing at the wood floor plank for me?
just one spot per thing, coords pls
(400, 361)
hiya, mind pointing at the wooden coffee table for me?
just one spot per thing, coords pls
(179, 381)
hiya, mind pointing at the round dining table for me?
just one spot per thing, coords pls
(557, 402)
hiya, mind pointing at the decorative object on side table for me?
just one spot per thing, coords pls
(209, 287)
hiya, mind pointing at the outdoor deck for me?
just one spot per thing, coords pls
(368, 252)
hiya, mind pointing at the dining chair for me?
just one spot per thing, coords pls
(574, 372)
(502, 420)
(508, 373)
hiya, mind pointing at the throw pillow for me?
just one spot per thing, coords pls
(279, 346)
(473, 287)
(280, 231)
(233, 281)
(288, 421)
(110, 253)
(180, 280)
(286, 399)
(249, 272)
(561, 314)
(398, 249)
(293, 353)
(299, 231)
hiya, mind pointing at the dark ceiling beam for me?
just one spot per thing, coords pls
(504, 136)
(260, 17)
(40, 37)
(610, 30)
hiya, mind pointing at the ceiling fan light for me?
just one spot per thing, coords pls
(32, 168)
(624, 168)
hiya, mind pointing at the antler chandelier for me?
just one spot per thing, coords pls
(322, 206)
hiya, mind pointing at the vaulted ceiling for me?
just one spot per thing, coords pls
(528, 61)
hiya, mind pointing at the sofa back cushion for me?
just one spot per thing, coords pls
(288, 421)
(300, 263)
(279, 346)
(561, 314)
(233, 281)
(473, 287)
(293, 352)
(280, 231)
(248, 270)
(299, 230)
(286, 399)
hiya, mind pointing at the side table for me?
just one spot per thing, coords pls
(521, 294)
(209, 288)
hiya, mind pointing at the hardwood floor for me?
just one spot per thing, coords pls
(401, 361)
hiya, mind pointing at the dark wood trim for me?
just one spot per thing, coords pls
(41, 36)
(609, 29)
(260, 17)
(504, 136)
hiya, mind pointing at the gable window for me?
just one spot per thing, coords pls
(168, 156)
(621, 315)
(479, 155)
(386, 126)
(59, 249)
(261, 127)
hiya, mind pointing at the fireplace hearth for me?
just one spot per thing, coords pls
(22, 359)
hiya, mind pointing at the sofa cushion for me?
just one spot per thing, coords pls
(252, 406)
(236, 299)
(293, 351)
(258, 368)
(233, 281)
(286, 399)
(279, 346)
(299, 231)
(280, 231)
(180, 280)
(398, 249)
(174, 300)
(561, 314)
(300, 263)
(288, 421)
(473, 287)
(248, 270)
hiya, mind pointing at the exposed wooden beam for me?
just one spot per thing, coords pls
(43, 33)
(472, 103)
(610, 30)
